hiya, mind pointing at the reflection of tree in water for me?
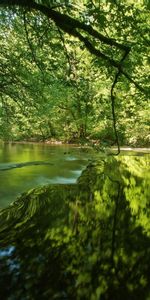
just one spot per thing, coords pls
(84, 241)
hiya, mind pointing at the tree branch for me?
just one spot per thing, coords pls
(113, 110)
(29, 43)
(65, 22)
(66, 51)
(113, 102)
(70, 26)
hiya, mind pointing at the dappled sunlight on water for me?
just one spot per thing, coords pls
(25, 166)
(89, 240)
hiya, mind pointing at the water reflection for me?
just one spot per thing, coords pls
(85, 241)
(25, 166)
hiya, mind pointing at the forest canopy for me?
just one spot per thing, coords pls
(75, 70)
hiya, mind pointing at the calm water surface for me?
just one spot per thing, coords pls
(89, 240)
(56, 164)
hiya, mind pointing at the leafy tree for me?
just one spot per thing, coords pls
(47, 34)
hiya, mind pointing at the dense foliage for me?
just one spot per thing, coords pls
(75, 70)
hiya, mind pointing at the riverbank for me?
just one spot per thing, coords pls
(95, 144)
(136, 149)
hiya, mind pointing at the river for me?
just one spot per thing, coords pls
(25, 166)
(89, 240)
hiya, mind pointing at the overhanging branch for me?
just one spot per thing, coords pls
(113, 102)
(72, 27)
(29, 43)
(65, 22)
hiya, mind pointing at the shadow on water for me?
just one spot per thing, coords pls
(85, 241)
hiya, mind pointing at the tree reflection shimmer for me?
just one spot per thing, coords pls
(86, 241)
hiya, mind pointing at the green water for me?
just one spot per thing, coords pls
(63, 164)
(89, 240)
